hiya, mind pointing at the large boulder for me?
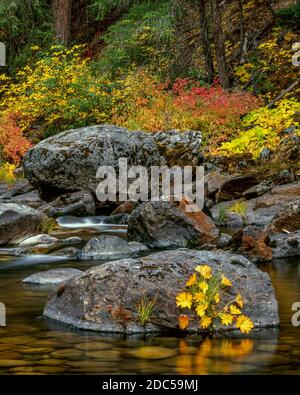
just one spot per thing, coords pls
(178, 148)
(105, 297)
(163, 225)
(69, 161)
(18, 222)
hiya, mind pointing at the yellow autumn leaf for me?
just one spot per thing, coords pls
(205, 322)
(203, 286)
(235, 310)
(183, 321)
(225, 281)
(192, 280)
(184, 299)
(199, 297)
(201, 308)
(239, 301)
(205, 271)
(226, 318)
(217, 298)
(244, 324)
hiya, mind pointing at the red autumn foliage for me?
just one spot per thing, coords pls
(12, 142)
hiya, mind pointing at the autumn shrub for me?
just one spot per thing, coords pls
(145, 103)
(268, 69)
(261, 128)
(204, 299)
(13, 145)
(7, 173)
(58, 91)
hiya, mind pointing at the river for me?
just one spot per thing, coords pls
(30, 344)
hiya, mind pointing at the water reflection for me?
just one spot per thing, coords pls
(31, 345)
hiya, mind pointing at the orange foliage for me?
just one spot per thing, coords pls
(12, 142)
(146, 104)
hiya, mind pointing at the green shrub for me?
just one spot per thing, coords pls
(22, 25)
(141, 37)
(290, 15)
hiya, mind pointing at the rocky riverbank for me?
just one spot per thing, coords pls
(261, 210)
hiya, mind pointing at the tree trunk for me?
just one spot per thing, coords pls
(205, 42)
(219, 41)
(62, 18)
(242, 30)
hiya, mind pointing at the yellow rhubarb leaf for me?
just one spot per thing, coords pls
(192, 280)
(225, 281)
(205, 271)
(199, 297)
(217, 298)
(244, 324)
(239, 301)
(201, 308)
(183, 321)
(205, 322)
(203, 286)
(226, 318)
(234, 310)
(184, 299)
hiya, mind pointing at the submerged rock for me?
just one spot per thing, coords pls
(54, 276)
(38, 239)
(163, 225)
(104, 298)
(69, 252)
(18, 222)
(285, 245)
(110, 247)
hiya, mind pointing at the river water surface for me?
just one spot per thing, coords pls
(30, 344)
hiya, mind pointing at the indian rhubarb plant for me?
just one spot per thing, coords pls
(204, 297)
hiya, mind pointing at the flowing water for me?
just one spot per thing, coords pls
(30, 344)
